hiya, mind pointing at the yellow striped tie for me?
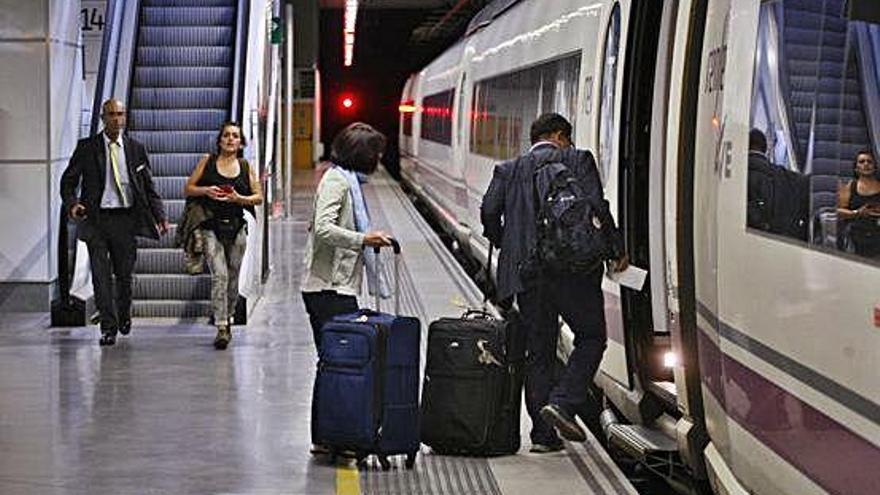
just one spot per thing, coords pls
(114, 160)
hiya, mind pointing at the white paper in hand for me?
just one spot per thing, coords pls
(633, 277)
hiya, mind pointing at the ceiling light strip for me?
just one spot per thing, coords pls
(348, 29)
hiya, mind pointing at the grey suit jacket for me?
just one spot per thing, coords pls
(334, 257)
(508, 211)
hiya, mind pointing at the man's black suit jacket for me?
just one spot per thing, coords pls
(87, 170)
(508, 211)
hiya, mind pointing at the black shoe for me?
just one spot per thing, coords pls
(546, 448)
(125, 326)
(108, 338)
(563, 422)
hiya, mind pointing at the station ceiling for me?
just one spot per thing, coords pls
(440, 21)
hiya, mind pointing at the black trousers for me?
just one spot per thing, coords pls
(112, 254)
(323, 306)
(579, 300)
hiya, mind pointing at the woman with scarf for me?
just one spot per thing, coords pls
(340, 240)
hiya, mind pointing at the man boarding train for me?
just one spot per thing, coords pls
(510, 214)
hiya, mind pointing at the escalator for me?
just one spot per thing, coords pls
(825, 100)
(181, 92)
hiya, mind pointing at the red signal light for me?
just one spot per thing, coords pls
(346, 102)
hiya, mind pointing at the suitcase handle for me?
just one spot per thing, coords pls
(481, 314)
(395, 246)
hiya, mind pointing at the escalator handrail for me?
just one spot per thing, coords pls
(109, 45)
(242, 13)
(790, 129)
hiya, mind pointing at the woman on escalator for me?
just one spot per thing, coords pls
(225, 185)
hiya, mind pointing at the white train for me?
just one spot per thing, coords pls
(750, 357)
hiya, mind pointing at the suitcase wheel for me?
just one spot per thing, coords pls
(410, 460)
(386, 464)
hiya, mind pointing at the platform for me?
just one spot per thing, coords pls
(163, 412)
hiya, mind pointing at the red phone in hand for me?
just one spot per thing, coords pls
(227, 188)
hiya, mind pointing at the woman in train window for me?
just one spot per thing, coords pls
(859, 205)
(340, 230)
(226, 185)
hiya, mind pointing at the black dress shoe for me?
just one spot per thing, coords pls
(125, 326)
(108, 338)
(564, 422)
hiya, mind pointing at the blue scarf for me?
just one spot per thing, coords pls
(372, 262)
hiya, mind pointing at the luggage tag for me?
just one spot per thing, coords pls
(486, 356)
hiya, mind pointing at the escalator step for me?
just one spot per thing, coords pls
(178, 286)
(183, 120)
(173, 210)
(174, 164)
(165, 242)
(186, 77)
(184, 56)
(160, 308)
(186, 36)
(182, 98)
(177, 141)
(187, 16)
(188, 3)
(159, 261)
(170, 188)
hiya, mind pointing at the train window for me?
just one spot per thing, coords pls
(609, 84)
(503, 107)
(815, 116)
(407, 114)
(437, 117)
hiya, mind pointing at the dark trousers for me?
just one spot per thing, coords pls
(112, 253)
(323, 306)
(580, 302)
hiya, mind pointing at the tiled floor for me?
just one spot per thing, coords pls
(163, 412)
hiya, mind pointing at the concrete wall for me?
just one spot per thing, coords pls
(40, 114)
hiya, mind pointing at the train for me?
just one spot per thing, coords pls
(747, 361)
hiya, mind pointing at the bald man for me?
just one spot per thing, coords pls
(116, 202)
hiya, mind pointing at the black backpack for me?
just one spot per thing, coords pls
(570, 234)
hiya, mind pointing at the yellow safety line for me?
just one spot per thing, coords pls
(348, 480)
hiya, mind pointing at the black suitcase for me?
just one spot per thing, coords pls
(472, 391)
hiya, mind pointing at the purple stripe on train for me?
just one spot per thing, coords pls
(824, 450)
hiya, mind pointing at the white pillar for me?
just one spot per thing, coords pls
(288, 110)
(40, 106)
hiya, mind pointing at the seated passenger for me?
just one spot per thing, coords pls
(760, 183)
(778, 200)
(340, 229)
(859, 205)
(544, 293)
(225, 185)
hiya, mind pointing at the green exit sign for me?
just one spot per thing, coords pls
(277, 33)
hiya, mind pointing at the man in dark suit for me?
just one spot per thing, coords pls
(116, 202)
(509, 218)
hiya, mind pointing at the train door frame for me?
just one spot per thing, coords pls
(634, 198)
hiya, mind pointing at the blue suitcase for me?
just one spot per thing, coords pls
(366, 394)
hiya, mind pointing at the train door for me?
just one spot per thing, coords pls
(640, 194)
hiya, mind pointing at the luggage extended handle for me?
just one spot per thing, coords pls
(395, 246)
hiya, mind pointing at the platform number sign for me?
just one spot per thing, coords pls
(92, 19)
